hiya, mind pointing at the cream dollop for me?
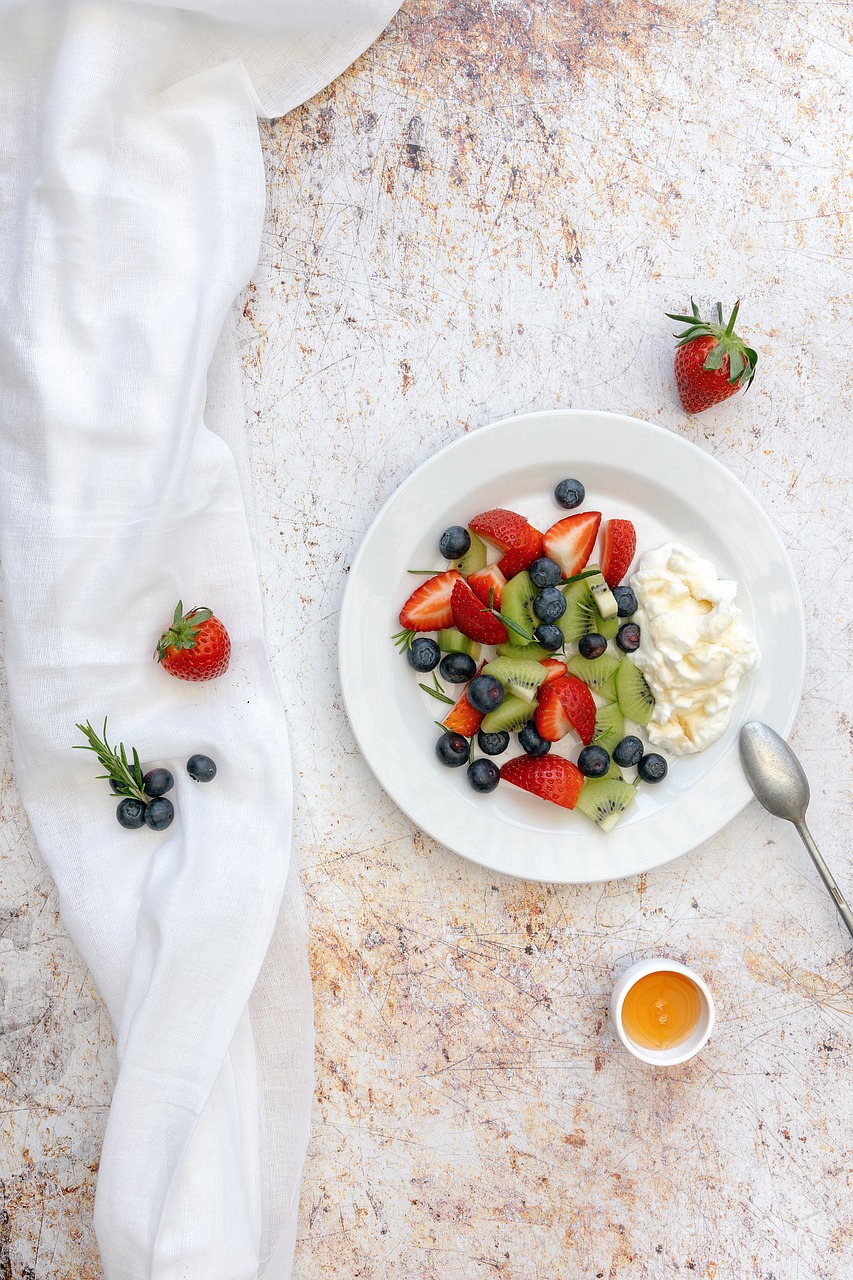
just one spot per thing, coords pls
(694, 649)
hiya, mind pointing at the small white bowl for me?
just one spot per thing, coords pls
(693, 1043)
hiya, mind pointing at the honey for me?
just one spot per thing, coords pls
(661, 1010)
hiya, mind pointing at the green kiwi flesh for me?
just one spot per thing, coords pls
(474, 558)
(532, 652)
(604, 800)
(633, 694)
(598, 673)
(511, 715)
(517, 605)
(609, 726)
(450, 640)
(518, 675)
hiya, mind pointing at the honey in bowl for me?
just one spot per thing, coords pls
(661, 1010)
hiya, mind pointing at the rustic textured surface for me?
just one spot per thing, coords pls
(488, 214)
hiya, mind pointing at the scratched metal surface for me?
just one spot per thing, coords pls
(489, 214)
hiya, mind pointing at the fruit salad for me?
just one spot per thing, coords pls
(526, 641)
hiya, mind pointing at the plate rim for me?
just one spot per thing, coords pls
(680, 442)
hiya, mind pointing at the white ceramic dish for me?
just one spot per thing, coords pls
(671, 490)
(697, 1039)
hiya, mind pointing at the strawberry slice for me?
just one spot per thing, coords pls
(486, 580)
(502, 528)
(519, 557)
(552, 723)
(463, 718)
(570, 541)
(472, 618)
(550, 777)
(555, 669)
(428, 607)
(566, 703)
(618, 544)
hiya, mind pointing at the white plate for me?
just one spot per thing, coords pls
(672, 491)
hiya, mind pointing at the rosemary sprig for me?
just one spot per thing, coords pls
(576, 577)
(437, 692)
(425, 573)
(115, 761)
(403, 639)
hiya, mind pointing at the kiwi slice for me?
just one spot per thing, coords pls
(609, 726)
(452, 641)
(604, 800)
(582, 615)
(633, 693)
(476, 557)
(532, 652)
(518, 675)
(598, 673)
(517, 605)
(510, 716)
(604, 598)
(606, 627)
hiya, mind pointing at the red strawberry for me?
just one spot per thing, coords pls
(555, 669)
(196, 646)
(472, 619)
(485, 580)
(503, 529)
(566, 699)
(711, 361)
(550, 777)
(519, 557)
(618, 544)
(428, 607)
(570, 541)
(463, 718)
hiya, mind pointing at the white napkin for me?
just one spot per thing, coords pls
(131, 202)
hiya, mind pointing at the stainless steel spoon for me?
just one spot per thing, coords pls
(777, 778)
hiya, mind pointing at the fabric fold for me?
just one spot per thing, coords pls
(131, 187)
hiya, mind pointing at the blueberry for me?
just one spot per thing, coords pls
(454, 542)
(628, 752)
(156, 782)
(201, 768)
(652, 768)
(549, 635)
(626, 601)
(452, 749)
(485, 693)
(159, 814)
(424, 654)
(594, 761)
(493, 744)
(592, 646)
(549, 604)
(545, 572)
(532, 741)
(456, 668)
(118, 787)
(570, 494)
(484, 775)
(628, 637)
(131, 813)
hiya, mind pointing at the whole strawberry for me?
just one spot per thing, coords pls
(196, 646)
(711, 362)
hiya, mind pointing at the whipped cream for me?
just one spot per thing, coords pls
(694, 649)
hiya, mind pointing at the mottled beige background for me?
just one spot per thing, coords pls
(489, 214)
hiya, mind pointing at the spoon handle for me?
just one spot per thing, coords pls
(826, 876)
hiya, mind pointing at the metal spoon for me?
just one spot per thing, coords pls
(777, 778)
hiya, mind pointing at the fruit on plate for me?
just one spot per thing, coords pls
(564, 704)
(609, 728)
(604, 800)
(453, 750)
(474, 619)
(454, 542)
(549, 777)
(712, 362)
(517, 605)
(518, 675)
(599, 674)
(570, 541)
(483, 775)
(511, 715)
(618, 545)
(423, 654)
(633, 694)
(196, 645)
(487, 585)
(520, 542)
(428, 607)
(463, 718)
(569, 494)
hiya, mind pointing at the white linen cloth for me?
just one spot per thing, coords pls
(131, 202)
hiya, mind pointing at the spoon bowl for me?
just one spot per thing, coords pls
(774, 772)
